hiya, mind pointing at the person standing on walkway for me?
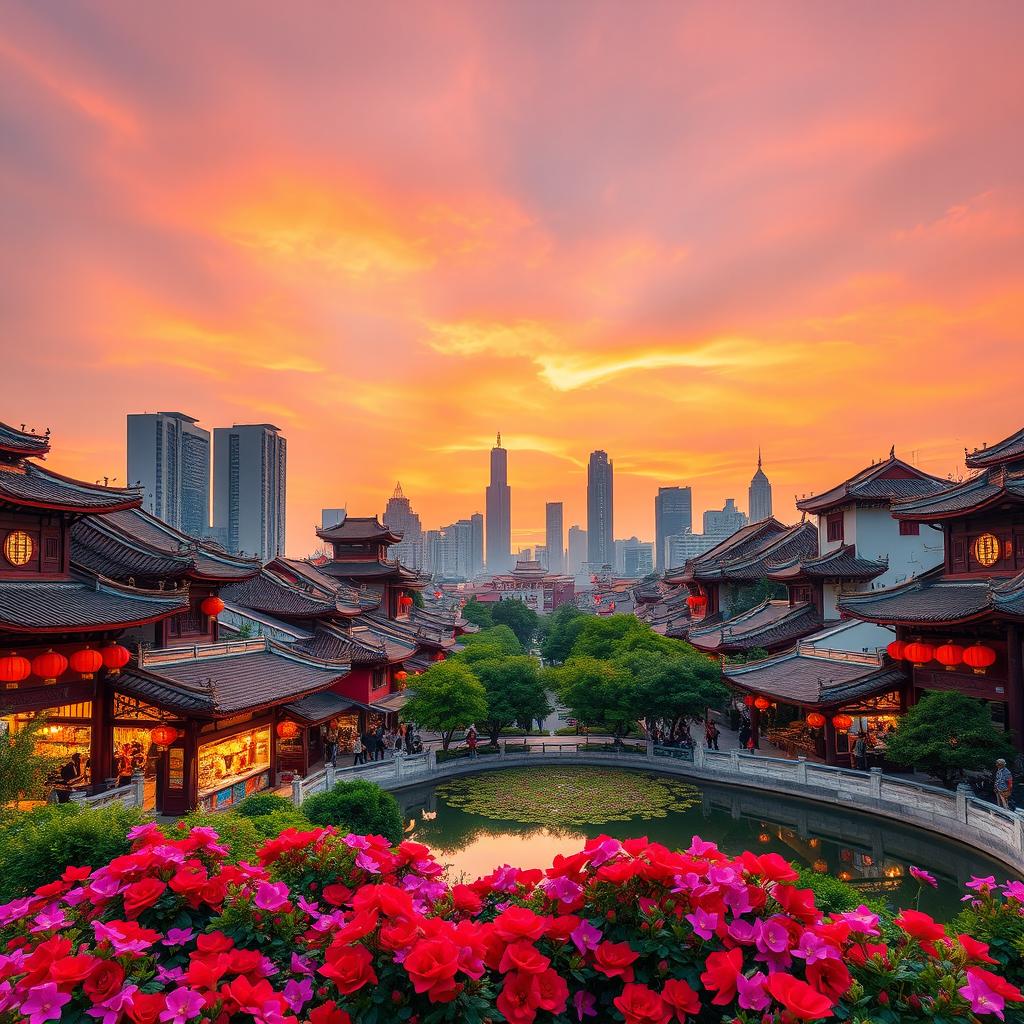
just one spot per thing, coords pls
(711, 734)
(1003, 784)
(471, 741)
(369, 746)
(381, 743)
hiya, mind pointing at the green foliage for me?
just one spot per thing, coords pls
(754, 654)
(598, 693)
(521, 620)
(269, 825)
(561, 629)
(489, 643)
(359, 806)
(1000, 924)
(946, 734)
(601, 636)
(417, 599)
(36, 846)
(260, 804)
(23, 771)
(674, 690)
(753, 594)
(446, 697)
(478, 613)
(834, 896)
(514, 692)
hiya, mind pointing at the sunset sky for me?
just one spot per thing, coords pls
(673, 231)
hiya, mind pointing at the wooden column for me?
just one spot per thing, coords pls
(755, 727)
(101, 740)
(1015, 684)
(830, 742)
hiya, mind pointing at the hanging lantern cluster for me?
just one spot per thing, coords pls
(404, 603)
(401, 676)
(287, 729)
(977, 657)
(212, 606)
(842, 722)
(815, 720)
(697, 603)
(51, 665)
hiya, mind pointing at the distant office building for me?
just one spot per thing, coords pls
(540, 554)
(331, 517)
(600, 502)
(399, 516)
(169, 457)
(554, 537)
(577, 549)
(673, 513)
(637, 559)
(618, 564)
(524, 555)
(448, 552)
(725, 521)
(499, 513)
(681, 547)
(760, 494)
(476, 522)
(250, 469)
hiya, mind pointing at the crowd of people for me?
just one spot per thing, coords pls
(377, 744)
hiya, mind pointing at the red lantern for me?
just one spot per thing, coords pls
(163, 735)
(749, 700)
(86, 662)
(115, 657)
(437, 594)
(439, 656)
(212, 606)
(979, 657)
(49, 665)
(401, 676)
(842, 722)
(696, 603)
(815, 720)
(949, 655)
(597, 599)
(897, 650)
(14, 668)
(918, 653)
(287, 730)
(762, 703)
(404, 601)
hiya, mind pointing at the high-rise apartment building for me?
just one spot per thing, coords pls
(673, 513)
(725, 521)
(637, 559)
(169, 458)
(476, 523)
(577, 549)
(760, 494)
(600, 526)
(499, 513)
(250, 468)
(681, 547)
(400, 517)
(554, 539)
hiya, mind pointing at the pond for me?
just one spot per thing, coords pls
(525, 816)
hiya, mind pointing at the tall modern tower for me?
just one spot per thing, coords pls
(499, 513)
(577, 549)
(169, 456)
(554, 538)
(760, 494)
(250, 466)
(673, 513)
(600, 527)
(399, 516)
(476, 522)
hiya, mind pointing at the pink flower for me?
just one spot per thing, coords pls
(923, 877)
(584, 1003)
(1014, 891)
(43, 1003)
(563, 889)
(585, 936)
(298, 993)
(50, 919)
(178, 936)
(861, 920)
(983, 885)
(111, 1011)
(271, 896)
(354, 842)
(15, 910)
(604, 851)
(698, 847)
(300, 965)
(704, 924)
(752, 992)
(182, 1005)
(981, 997)
(812, 948)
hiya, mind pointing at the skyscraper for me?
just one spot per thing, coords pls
(673, 513)
(760, 494)
(399, 516)
(169, 456)
(499, 513)
(577, 549)
(554, 540)
(476, 522)
(250, 468)
(600, 532)
(725, 521)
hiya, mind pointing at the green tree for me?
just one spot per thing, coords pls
(603, 636)
(446, 697)
(598, 693)
(753, 594)
(417, 600)
(946, 734)
(514, 691)
(495, 642)
(358, 806)
(478, 613)
(561, 629)
(520, 619)
(23, 771)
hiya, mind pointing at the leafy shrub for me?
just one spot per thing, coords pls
(237, 832)
(1000, 924)
(269, 825)
(36, 846)
(259, 804)
(834, 896)
(358, 806)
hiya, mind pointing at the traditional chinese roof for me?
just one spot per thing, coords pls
(373, 572)
(356, 644)
(884, 482)
(360, 529)
(771, 624)
(795, 542)
(302, 570)
(925, 599)
(813, 680)
(1008, 596)
(738, 545)
(30, 486)
(81, 604)
(409, 631)
(22, 443)
(993, 487)
(841, 564)
(1009, 450)
(320, 707)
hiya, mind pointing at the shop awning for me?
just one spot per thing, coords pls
(320, 707)
(395, 702)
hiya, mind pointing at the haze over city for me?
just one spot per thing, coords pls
(673, 233)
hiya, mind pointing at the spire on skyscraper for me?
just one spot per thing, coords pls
(497, 444)
(398, 490)
(758, 456)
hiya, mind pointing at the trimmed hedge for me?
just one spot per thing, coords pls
(357, 806)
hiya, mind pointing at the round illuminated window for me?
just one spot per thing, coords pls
(986, 549)
(18, 547)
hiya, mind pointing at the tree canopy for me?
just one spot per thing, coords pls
(490, 643)
(477, 613)
(521, 620)
(515, 692)
(561, 629)
(446, 698)
(597, 692)
(23, 770)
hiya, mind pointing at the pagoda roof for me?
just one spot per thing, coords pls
(22, 442)
(751, 556)
(216, 680)
(925, 599)
(814, 679)
(331, 644)
(373, 571)
(356, 529)
(842, 563)
(81, 604)
(1008, 596)
(268, 593)
(769, 624)
(30, 486)
(884, 482)
(991, 487)
(1009, 450)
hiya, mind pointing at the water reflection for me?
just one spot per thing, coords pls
(871, 854)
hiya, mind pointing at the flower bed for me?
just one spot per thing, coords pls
(331, 928)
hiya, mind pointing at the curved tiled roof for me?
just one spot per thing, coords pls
(990, 487)
(372, 571)
(892, 480)
(356, 529)
(924, 599)
(23, 443)
(842, 563)
(1010, 449)
(31, 486)
(738, 545)
(1008, 597)
(770, 624)
(268, 593)
(796, 541)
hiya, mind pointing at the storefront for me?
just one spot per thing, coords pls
(65, 740)
(233, 767)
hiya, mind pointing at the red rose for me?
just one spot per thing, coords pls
(552, 991)
(328, 1013)
(798, 997)
(975, 950)
(349, 967)
(639, 1005)
(920, 927)
(214, 942)
(106, 979)
(466, 901)
(615, 960)
(830, 977)
(145, 1007)
(720, 974)
(681, 998)
(141, 895)
(432, 965)
(336, 894)
(523, 956)
(72, 970)
(519, 998)
(519, 923)
(190, 881)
